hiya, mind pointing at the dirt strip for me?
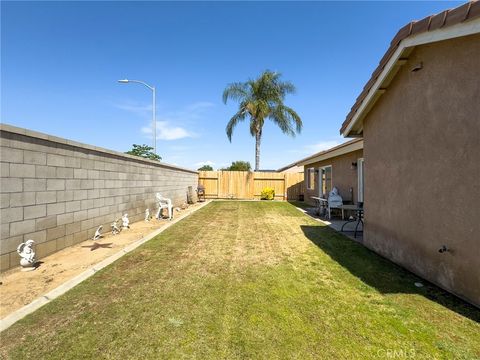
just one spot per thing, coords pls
(19, 288)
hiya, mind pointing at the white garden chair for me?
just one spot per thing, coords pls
(335, 201)
(164, 203)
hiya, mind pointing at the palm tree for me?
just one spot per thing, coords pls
(261, 99)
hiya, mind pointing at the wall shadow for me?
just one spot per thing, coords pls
(380, 273)
(301, 204)
(294, 191)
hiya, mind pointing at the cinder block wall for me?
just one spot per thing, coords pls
(57, 192)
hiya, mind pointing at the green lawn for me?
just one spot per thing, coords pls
(249, 280)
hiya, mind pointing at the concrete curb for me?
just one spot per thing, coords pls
(312, 217)
(12, 318)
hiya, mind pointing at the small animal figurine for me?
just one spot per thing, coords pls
(147, 214)
(98, 233)
(115, 229)
(125, 222)
(27, 254)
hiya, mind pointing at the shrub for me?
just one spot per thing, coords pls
(205, 168)
(267, 194)
(239, 166)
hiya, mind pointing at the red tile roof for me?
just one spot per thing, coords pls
(467, 11)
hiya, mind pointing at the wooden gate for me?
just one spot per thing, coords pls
(249, 185)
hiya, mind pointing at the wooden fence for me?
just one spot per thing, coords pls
(249, 185)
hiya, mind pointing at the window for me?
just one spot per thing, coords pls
(310, 178)
(325, 180)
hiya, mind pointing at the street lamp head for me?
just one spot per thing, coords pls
(154, 121)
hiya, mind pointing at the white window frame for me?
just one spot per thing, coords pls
(361, 179)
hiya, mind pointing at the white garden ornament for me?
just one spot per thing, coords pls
(164, 203)
(115, 229)
(147, 214)
(27, 254)
(98, 233)
(125, 222)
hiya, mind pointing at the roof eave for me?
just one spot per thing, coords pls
(336, 151)
(355, 126)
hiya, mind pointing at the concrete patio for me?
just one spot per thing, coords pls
(336, 223)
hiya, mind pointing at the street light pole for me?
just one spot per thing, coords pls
(154, 124)
(154, 120)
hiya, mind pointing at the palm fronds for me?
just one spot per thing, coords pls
(261, 99)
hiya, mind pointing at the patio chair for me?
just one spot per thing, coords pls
(164, 203)
(201, 193)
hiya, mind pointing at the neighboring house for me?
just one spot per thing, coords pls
(295, 188)
(291, 168)
(337, 167)
(419, 116)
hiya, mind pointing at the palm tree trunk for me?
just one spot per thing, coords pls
(258, 139)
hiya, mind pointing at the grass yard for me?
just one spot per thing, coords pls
(243, 280)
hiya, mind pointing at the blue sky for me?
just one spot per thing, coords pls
(60, 62)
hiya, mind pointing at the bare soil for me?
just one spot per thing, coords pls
(20, 288)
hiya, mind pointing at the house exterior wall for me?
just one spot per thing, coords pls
(57, 192)
(422, 167)
(343, 176)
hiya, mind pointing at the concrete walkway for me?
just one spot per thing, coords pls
(336, 223)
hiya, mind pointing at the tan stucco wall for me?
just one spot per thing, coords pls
(422, 167)
(343, 176)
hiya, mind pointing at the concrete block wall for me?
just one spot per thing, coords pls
(57, 192)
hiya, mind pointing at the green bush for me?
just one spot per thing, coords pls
(267, 194)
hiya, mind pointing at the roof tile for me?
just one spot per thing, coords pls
(474, 10)
(370, 82)
(387, 55)
(457, 15)
(377, 72)
(421, 26)
(438, 20)
(402, 34)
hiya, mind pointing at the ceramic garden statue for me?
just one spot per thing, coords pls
(147, 214)
(98, 233)
(125, 222)
(115, 229)
(27, 254)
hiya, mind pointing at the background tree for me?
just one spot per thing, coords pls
(239, 166)
(144, 151)
(261, 99)
(205, 168)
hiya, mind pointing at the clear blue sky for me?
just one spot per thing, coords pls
(60, 62)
